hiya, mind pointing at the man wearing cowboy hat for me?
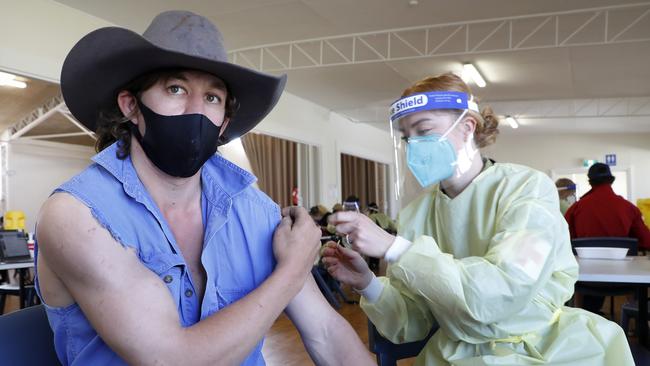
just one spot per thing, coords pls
(161, 252)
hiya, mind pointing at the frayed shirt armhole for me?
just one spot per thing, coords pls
(103, 222)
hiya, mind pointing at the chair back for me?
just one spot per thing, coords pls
(608, 242)
(26, 338)
(388, 352)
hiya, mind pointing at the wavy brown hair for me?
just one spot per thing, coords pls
(487, 128)
(113, 125)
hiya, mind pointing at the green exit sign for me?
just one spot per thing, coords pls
(587, 163)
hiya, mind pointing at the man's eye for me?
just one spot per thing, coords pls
(212, 99)
(175, 89)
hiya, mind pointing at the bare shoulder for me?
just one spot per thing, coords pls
(73, 242)
(52, 234)
(61, 207)
(61, 218)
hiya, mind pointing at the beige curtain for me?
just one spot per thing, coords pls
(363, 178)
(273, 161)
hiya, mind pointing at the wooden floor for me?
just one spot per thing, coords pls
(283, 346)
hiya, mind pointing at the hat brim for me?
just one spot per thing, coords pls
(108, 58)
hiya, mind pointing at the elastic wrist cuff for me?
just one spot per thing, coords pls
(399, 247)
(372, 292)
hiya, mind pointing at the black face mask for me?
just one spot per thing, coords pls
(177, 145)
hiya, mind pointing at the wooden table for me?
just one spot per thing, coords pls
(22, 268)
(634, 271)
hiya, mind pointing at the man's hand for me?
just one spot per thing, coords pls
(296, 242)
(365, 236)
(346, 265)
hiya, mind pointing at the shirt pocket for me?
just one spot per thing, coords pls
(170, 268)
(227, 296)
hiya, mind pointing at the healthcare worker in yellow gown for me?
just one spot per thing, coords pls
(484, 253)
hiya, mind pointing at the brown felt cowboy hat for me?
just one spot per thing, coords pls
(108, 58)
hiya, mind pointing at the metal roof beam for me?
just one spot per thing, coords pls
(593, 26)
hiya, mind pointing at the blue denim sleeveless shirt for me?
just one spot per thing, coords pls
(239, 222)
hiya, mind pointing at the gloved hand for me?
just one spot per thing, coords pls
(346, 265)
(365, 236)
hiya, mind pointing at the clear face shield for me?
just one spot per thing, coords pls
(568, 193)
(423, 156)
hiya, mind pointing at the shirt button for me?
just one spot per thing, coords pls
(188, 293)
(168, 279)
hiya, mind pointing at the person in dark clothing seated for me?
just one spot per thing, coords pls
(601, 212)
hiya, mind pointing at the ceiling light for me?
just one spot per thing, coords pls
(512, 121)
(13, 83)
(471, 73)
(10, 80)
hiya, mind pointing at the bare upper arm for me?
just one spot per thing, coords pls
(125, 302)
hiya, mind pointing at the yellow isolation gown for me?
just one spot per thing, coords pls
(493, 268)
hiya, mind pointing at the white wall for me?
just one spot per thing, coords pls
(546, 152)
(36, 35)
(300, 120)
(36, 168)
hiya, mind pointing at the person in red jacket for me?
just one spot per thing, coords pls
(601, 212)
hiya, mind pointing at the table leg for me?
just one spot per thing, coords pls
(642, 324)
(21, 288)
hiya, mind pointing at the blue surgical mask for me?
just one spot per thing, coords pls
(432, 158)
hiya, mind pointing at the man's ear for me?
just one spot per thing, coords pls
(128, 105)
(224, 125)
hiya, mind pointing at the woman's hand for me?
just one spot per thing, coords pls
(346, 265)
(365, 236)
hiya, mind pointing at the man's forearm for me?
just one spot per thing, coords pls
(340, 345)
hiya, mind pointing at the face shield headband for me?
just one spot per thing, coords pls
(431, 101)
(570, 187)
(436, 100)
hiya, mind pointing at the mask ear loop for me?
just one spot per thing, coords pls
(460, 118)
(470, 105)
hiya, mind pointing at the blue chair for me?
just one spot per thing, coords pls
(388, 352)
(629, 310)
(606, 290)
(26, 338)
(640, 354)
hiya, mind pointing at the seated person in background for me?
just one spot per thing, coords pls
(566, 189)
(337, 207)
(316, 213)
(161, 252)
(320, 214)
(601, 212)
(381, 219)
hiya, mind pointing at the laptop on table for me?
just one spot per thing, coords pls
(13, 247)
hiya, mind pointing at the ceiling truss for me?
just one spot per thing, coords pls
(41, 114)
(595, 26)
